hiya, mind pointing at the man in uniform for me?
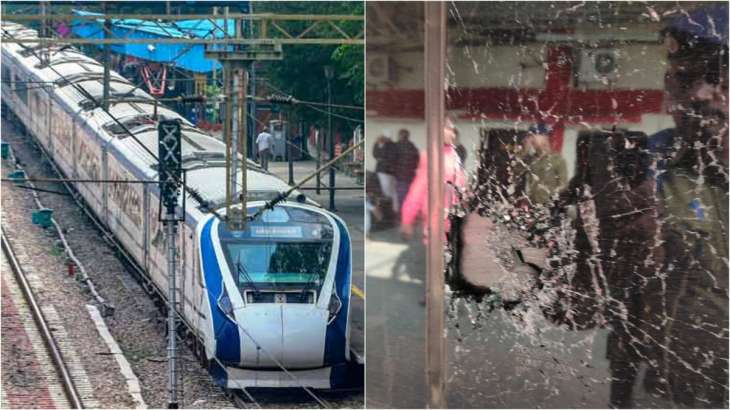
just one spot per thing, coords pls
(545, 172)
(686, 299)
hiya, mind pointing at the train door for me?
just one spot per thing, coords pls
(146, 235)
(45, 95)
(105, 188)
(156, 243)
(74, 150)
(182, 267)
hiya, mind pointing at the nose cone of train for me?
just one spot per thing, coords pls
(293, 334)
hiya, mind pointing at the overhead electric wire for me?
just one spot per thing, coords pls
(313, 107)
(335, 115)
(85, 93)
(283, 195)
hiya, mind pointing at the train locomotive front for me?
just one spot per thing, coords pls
(278, 297)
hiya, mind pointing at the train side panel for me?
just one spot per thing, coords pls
(124, 208)
(62, 135)
(18, 92)
(89, 156)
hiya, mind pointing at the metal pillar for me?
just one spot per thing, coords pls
(242, 140)
(329, 72)
(318, 143)
(291, 162)
(252, 104)
(170, 233)
(45, 32)
(227, 134)
(435, 55)
(236, 83)
(107, 62)
(233, 220)
(236, 62)
(170, 181)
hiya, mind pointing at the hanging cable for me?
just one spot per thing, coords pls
(193, 193)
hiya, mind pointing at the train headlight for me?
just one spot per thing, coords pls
(334, 307)
(224, 303)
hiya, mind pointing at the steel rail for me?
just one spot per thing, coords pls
(68, 384)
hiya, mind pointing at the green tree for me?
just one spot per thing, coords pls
(301, 72)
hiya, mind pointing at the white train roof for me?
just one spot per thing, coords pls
(203, 155)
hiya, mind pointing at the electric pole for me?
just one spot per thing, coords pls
(329, 73)
(107, 60)
(236, 63)
(170, 182)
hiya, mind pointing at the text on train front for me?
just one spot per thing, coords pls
(282, 257)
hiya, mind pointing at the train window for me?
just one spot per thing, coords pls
(279, 264)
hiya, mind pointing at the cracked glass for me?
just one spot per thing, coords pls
(587, 249)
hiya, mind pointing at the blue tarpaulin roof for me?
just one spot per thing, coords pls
(189, 57)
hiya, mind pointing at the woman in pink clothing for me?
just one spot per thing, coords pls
(416, 201)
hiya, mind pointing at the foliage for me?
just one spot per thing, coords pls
(301, 72)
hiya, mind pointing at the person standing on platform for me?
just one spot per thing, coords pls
(264, 142)
(405, 170)
(687, 297)
(384, 153)
(545, 171)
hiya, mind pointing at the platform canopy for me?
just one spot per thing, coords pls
(189, 57)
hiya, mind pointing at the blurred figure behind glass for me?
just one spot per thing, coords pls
(384, 153)
(405, 170)
(415, 203)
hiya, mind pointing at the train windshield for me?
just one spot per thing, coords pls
(279, 265)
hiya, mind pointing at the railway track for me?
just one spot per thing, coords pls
(52, 346)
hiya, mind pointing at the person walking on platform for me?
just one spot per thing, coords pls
(264, 142)
(415, 204)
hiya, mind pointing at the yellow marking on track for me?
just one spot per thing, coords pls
(358, 292)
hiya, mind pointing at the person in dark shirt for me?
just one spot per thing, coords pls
(687, 315)
(405, 170)
(384, 153)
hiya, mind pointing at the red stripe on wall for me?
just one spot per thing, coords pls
(557, 104)
(511, 104)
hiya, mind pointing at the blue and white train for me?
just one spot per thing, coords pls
(275, 295)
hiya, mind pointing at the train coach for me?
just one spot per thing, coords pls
(265, 307)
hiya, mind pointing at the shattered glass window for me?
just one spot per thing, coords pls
(587, 249)
(589, 259)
